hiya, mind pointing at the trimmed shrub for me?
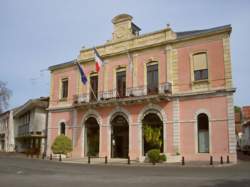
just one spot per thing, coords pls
(154, 155)
(62, 145)
(163, 158)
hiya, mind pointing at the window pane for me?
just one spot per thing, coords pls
(152, 79)
(121, 83)
(65, 88)
(201, 74)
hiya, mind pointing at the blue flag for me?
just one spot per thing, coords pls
(83, 76)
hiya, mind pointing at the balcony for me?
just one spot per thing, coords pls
(23, 130)
(132, 95)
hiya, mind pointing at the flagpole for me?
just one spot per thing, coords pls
(91, 89)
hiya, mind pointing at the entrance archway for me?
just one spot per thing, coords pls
(91, 139)
(152, 122)
(119, 137)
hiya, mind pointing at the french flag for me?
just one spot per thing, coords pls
(98, 61)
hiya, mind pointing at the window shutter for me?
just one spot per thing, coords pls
(200, 61)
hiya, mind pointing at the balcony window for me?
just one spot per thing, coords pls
(64, 91)
(121, 83)
(200, 66)
(152, 79)
(93, 88)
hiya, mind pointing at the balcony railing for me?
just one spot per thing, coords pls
(164, 88)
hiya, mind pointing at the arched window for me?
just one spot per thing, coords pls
(203, 133)
(62, 128)
(200, 66)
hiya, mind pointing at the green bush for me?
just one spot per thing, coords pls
(163, 158)
(154, 155)
(62, 145)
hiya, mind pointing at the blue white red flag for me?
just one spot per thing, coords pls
(98, 60)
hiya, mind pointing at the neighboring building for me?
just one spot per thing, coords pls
(179, 82)
(238, 127)
(246, 127)
(7, 131)
(30, 121)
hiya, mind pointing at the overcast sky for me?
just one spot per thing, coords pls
(35, 34)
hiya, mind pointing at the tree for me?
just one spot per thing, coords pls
(237, 109)
(153, 136)
(5, 94)
(62, 145)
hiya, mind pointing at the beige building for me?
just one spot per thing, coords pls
(6, 131)
(30, 126)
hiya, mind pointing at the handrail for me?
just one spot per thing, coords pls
(129, 92)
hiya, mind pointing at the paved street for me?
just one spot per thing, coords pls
(22, 172)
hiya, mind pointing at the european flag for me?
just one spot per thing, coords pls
(83, 76)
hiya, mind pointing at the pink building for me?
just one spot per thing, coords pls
(177, 82)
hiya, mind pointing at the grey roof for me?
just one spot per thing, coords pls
(204, 31)
(62, 64)
(38, 102)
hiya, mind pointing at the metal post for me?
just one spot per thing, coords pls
(50, 157)
(211, 160)
(60, 158)
(128, 160)
(228, 161)
(88, 159)
(221, 160)
(183, 161)
(106, 159)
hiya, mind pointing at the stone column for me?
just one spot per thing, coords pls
(231, 124)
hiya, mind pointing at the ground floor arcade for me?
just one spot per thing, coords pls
(196, 129)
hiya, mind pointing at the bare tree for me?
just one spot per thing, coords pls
(5, 94)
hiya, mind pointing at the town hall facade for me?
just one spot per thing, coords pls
(179, 82)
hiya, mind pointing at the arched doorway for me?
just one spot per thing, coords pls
(119, 137)
(91, 140)
(203, 133)
(152, 129)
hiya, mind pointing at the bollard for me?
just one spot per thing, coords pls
(60, 158)
(88, 159)
(106, 159)
(211, 160)
(50, 157)
(183, 161)
(128, 160)
(221, 160)
(228, 161)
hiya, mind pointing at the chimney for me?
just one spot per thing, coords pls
(124, 28)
